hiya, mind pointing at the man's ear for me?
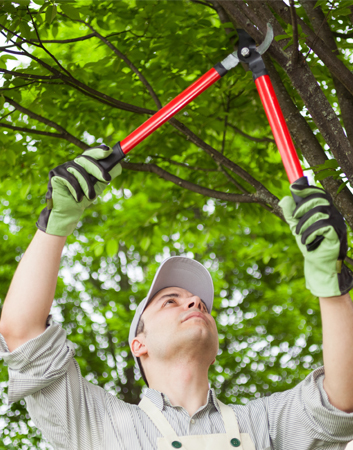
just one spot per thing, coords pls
(138, 346)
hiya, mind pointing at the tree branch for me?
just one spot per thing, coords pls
(76, 83)
(16, 87)
(335, 66)
(342, 35)
(63, 133)
(128, 63)
(295, 54)
(255, 139)
(304, 82)
(29, 76)
(323, 31)
(33, 131)
(233, 180)
(187, 166)
(153, 168)
(42, 46)
(8, 114)
(308, 143)
(263, 193)
(203, 3)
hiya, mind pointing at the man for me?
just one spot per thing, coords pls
(174, 340)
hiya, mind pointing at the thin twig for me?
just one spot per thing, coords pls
(233, 180)
(225, 124)
(13, 52)
(19, 86)
(262, 192)
(295, 53)
(15, 34)
(317, 34)
(125, 59)
(187, 166)
(342, 35)
(203, 3)
(42, 46)
(63, 133)
(32, 130)
(252, 138)
(237, 198)
(8, 114)
(30, 76)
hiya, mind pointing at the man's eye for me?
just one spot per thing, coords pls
(170, 300)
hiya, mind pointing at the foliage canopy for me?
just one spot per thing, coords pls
(205, 185)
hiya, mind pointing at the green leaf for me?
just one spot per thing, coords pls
(145, 243)
(50, 14)
(343, 185)
(2, 101)
(288, 45)
(25, 30)
(73, 13)
(324, 174)
(98, 251)
(112, 247)
(25, 190)
(227, 25)
(11, 157)
(6, 57)
(344, 12)
(330, 164)
(280, 37)
(39, 2)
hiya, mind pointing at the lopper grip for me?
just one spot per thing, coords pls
(113, 159)
(303, 181)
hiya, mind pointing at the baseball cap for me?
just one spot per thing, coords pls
(176, 271)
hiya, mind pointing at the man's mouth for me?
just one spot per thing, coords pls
(195, 315)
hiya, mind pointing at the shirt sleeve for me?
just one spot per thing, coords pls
(304, 418)
(63, 405)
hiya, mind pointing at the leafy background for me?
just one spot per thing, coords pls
(269, 325)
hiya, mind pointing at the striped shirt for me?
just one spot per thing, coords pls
(74, 414)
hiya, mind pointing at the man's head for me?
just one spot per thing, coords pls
(174, 319)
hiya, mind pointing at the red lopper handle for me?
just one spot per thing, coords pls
(169, 110)
(279, 128)
(160, 117)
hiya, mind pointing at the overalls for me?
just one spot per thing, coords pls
(230, 440)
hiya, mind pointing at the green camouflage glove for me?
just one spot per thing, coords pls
(71, 189)
(315, 218)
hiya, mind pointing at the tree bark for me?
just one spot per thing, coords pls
(323, 30)
(302, 80)
(307, 142)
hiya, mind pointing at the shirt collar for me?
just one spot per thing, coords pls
(161, 400)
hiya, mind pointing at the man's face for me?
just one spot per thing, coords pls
(177, 324)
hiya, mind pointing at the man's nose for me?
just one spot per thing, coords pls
(195, 302)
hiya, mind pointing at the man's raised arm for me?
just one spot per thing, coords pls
(321, 235)
(31, 293)
(71, 189)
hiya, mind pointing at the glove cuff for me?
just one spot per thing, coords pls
(345, 279)
(43, 218)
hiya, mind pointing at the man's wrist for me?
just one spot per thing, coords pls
(342, 298)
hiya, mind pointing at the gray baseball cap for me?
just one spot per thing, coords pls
(176, 271)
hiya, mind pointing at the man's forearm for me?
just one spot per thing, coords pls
(337, 324)
(32, 290)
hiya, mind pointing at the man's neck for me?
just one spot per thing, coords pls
(184, 383)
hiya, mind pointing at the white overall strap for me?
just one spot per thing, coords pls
(158, 419)
(230, 423)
